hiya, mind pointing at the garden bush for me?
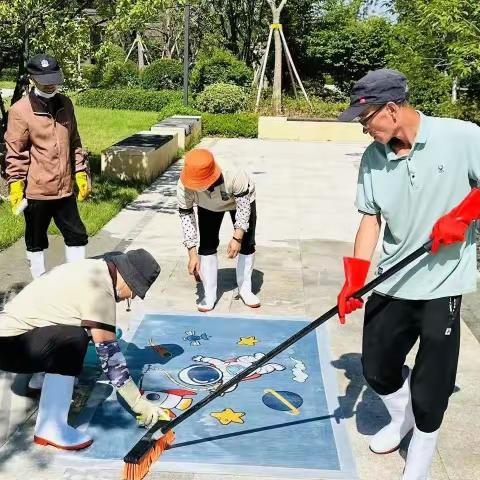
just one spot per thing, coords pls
(177, 108)
(222, 98)
(9, 74)
(219, 66)
(118, 74)
(108, 53)
(92, 75)
(464, 109)
(163, 74)
(230, 125)
(128, 99)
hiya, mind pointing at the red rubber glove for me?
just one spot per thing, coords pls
(356, 271)
(451, 228)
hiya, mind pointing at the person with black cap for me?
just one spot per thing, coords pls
(44, 154)
(48, 325)
(417, 175)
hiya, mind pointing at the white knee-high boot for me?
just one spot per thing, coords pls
(399, 406)
(420, 455)
(208, 274)
(52, 420)
(72, 254)
(36, 262)
(244, 280)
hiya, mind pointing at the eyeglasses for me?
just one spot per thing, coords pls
(364, 121)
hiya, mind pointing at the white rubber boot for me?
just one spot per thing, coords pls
(52, 420)
(399, 406)
(35, 383)
(72, 254)
(36, 261)
(208, 274)
(420, 455)
(244, 280)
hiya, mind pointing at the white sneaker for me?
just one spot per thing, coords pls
(399, 406)
(244, 280)
(420, 455)
(208, 274)
(52, 426)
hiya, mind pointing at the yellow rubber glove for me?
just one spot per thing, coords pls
(17, 192)
(84, 187)
(148, 414)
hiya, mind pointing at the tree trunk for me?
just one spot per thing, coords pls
(277, 76)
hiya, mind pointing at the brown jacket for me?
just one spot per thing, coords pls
(44, 151)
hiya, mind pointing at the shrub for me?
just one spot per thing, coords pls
(9, 74)
(92, 75)
(128, 99)
(222, 98)
(464, 109)
(163, 74)
(219, 66)
(230, 125)
(110, 52)
(118, 74)
(177, 108)
(298, 107)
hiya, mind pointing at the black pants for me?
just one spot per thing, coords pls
(64, 212)
(392, 326)
(209, 224)
(54, 349)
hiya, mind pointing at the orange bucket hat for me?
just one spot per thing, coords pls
(200, 169)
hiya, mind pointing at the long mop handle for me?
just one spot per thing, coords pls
(163, 427)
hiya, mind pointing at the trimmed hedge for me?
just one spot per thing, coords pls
(163, 74)
(128, 99)
(241, 125)
(222, 98)
(177, 108)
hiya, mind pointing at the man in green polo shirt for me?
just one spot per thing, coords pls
(417, 176)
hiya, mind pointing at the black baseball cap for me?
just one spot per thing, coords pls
(375, 88)
(45, 70)
(137, 267)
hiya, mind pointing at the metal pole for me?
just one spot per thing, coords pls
(186, 54)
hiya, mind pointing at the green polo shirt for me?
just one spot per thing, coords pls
(411, 193)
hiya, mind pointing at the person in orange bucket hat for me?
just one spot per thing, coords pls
(215, 191)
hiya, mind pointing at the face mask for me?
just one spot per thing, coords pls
(39, 93)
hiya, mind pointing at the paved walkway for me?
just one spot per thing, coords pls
(306, 224)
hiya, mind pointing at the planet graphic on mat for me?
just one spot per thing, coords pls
(283, 401)
(200, 375)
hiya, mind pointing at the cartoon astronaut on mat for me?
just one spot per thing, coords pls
(214, 372)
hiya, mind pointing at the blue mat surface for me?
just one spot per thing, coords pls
(280, 418)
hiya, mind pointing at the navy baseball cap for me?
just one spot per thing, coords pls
(375, 88)
(45, 70)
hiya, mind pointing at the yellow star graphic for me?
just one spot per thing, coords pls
(228, 416)
(248, 341)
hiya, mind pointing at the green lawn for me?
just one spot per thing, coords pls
(98, 129)
(7, 84)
